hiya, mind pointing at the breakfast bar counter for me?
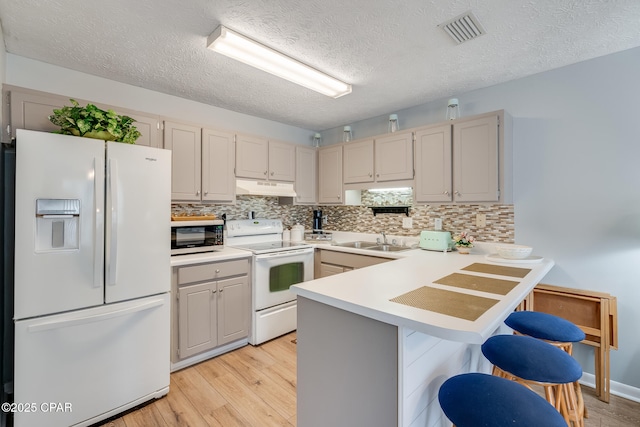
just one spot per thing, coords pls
(375, 344)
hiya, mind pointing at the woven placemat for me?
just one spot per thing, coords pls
(478, 283)
(455, 304)
(500, 270)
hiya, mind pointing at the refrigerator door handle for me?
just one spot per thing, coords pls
(98, 234)
(66, 323)
(113, 196)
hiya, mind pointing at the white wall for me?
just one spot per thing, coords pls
(576, 180)
(24, 72)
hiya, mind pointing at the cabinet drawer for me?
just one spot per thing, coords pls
(350, 260)
(214, 270)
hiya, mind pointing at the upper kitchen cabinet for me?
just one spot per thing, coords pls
(185, 143)
(433, 164)
(149, 128)
(259, 158)
(468, 161)
(377, 162)
(330, 175)
(394, 157)
(282, 161)
(476, 164)
(218, 158)
(31, 110)
(252, 157)
(358, 161)
(201, 163)
(306, 175)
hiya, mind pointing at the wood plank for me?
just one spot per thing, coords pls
(249, 366)
(200, 393)
(227, 416)
(143, 417)
(176, 410)
(254, 409)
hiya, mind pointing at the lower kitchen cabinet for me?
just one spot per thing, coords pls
(212, 306)
(334, 262)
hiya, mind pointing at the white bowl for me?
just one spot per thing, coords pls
(514, 251)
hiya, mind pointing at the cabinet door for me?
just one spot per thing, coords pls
(394, 157)
(185, 144)
(433, 164)
(234, 307)
(197, 319)
(218, 158)
(149, 128)
(475, 160)
(358, 162)
(306, 175)
(327, 270)
(31, 111)
(282, 161)
(330, 175)
(252, 154)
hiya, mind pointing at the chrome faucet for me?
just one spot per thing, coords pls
(384, 238)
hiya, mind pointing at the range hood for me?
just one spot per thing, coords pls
(264, 188)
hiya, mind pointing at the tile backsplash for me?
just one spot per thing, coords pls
(455, 217)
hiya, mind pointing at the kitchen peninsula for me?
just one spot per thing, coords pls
(375, 344)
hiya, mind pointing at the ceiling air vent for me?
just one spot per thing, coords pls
(463, 28)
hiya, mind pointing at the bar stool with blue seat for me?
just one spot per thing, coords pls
(531, 361)
(556, 330)
(553, 329)
(474, 400)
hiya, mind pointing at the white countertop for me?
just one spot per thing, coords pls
(218, 255)
(367, 291)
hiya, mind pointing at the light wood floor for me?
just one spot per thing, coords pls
(256, 387)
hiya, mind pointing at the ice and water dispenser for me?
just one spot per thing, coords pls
(57, 224)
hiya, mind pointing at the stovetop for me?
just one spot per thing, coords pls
(277, 245)
(259, 236)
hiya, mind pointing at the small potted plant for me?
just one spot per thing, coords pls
(93, 122)
(463, 242)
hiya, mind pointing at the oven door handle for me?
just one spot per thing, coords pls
(284, 254)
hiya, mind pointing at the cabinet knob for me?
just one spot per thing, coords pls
(221, 290)
(377, 175)
(338, 197)
(272, 173)
(370, 175)
(217, 271)
(458, 193)
(445, 192)
(206, 192)
(198, 193)
(265, 172)
(213, 291)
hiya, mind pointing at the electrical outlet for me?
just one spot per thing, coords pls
(407, 222)
(481, 220)
(438, 224)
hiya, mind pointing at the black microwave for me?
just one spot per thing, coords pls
(190, 237)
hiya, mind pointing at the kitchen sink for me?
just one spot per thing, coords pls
(374, 246)
(389, 248)
(358, 244)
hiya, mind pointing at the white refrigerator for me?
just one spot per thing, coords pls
(92, 278)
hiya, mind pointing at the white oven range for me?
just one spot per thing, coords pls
(276, 266)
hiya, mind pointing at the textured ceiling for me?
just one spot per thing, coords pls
(392, 52)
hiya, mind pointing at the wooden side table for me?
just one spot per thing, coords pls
(596, 313)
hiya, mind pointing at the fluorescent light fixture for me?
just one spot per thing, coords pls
(243, 49)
